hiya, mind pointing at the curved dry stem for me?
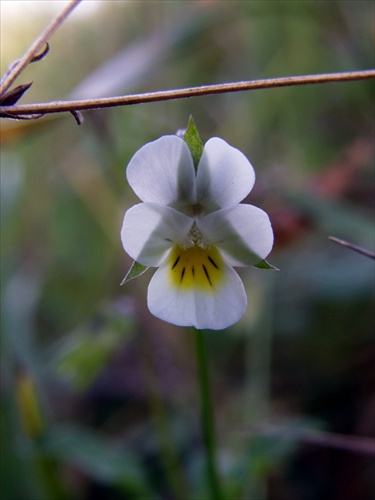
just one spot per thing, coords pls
(35, 51)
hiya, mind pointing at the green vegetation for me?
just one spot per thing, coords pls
(99, 398)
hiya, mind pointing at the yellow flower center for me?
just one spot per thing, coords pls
(195, 267)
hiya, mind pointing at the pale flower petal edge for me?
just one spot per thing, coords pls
(162, 172)
(243, 233)
(149, 231)
(215, 310)
(224, 176)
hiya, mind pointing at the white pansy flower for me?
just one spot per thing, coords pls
(192, 226)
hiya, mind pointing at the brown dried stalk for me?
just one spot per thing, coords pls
(356, 248)
(35, 48)
(166, 95)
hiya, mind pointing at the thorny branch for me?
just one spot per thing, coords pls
(166, 95)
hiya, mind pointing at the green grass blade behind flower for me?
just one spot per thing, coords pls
(170, 461)
(168, 452)
(100, 458)
(258, 382)
(85, 352)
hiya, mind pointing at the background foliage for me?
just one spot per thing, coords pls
(99, 399)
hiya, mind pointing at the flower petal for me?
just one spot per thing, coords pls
(149, 231)
(242, 233)
(190, 302)
(224, 177)
(162, 171)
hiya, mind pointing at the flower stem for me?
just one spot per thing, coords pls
(207, 418)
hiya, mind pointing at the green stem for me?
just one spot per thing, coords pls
(207, 417)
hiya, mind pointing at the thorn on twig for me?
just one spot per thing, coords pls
(356, 248)
(77, 116)
(12, 96)
(42, 55)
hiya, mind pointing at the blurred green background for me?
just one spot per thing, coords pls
(99, 398)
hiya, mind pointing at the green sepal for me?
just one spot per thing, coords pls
(192, 139)
(136, 270)
(263, 264)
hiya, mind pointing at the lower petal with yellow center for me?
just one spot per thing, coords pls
(195, 286)
(195, 268)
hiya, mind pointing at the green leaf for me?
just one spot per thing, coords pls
(136, 270)
(82, 355)
(101, 459)
(192, 139)
(82, 358)
(263, 264)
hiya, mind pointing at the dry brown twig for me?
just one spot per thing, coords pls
(35, 48)
(356, 248)
(38, 49)
(37, 110)
(165, 95)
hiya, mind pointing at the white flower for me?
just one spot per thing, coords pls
(192, 226)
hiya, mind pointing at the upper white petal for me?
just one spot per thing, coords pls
(213, 310)
(149, 231)
(243, 233)
(162, 171)
(224, 177)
